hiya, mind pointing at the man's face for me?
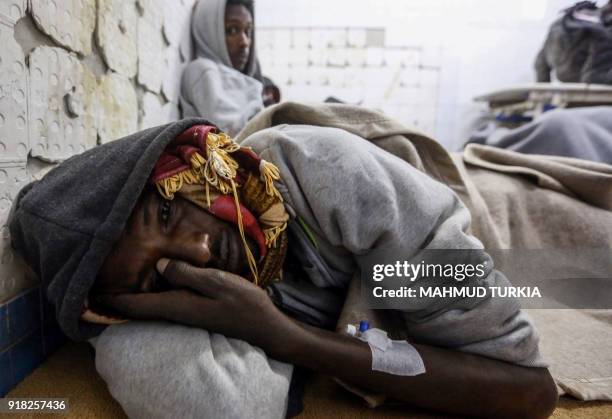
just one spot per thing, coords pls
(238, 34)
(174, 229)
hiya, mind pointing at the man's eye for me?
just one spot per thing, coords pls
(165, 212)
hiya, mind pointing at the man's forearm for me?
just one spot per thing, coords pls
(455, 382)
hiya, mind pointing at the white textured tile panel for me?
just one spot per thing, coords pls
(171, 112)
(177, 19)
(14, 143)
(150, 45)
(117, 108)
(186, 41)
(62, 104)
(151, 111)
(12, 10)
(357, 37)
(117, 34)
(69, 22)
(154, 112)
(173, 70)
(13, 278)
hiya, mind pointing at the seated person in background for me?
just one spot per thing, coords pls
(224, 82)
(226, 218)
(578, 47)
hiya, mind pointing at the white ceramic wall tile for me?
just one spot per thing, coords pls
(357, 37)
(375, 57)
(173, 68)
(117, 35)
(14, 144)
(12, 10)
(12, 278)
(150, 45)
(186, 42)
(356, 57)
(337, 38)
(354, 65)
(300, 38)
(177, 25)
(62, 104)
(318, 56)
(170, 112)
(69, 22)
(117, 108)
(297, 57)
(154, 112)
(151, 111)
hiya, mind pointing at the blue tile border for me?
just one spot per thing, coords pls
(28, 335)
(4, 327)
(53, 338)
(27, 355)
(24, 314)
(6, 374)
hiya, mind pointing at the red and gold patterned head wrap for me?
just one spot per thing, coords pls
(206, 167)
(233, 183)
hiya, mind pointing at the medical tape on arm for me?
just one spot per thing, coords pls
(397, 357)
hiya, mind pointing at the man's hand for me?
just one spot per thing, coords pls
(210, 299)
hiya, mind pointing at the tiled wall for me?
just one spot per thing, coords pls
(356, 66)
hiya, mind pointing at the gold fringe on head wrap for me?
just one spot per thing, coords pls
(247, 249)
(270, 173)
(169, 186)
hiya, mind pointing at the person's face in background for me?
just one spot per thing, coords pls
(238, 34)
(174, 229)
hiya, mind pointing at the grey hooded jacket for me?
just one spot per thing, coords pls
(210, 85)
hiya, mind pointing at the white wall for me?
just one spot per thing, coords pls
(478, 45)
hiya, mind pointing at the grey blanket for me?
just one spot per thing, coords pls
(163, 370)
(583, 133)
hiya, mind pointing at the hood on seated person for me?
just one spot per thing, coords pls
(208, 30)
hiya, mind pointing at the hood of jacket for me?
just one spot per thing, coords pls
(65, 225)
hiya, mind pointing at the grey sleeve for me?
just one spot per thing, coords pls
(360, 198)
(163, 370)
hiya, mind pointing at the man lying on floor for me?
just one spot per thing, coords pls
(148, 226)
